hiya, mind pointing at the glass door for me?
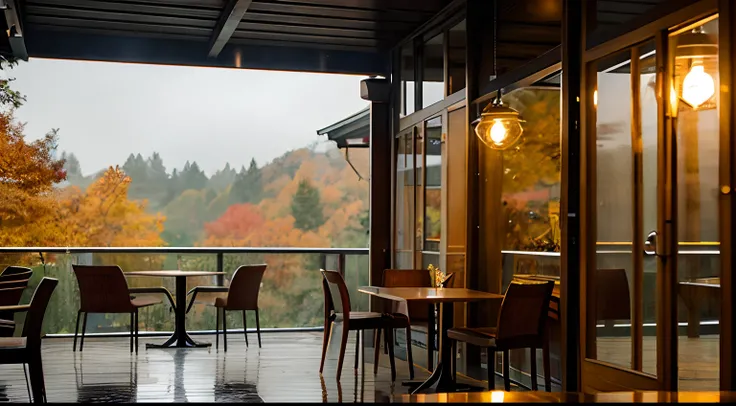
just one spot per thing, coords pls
(652, 279)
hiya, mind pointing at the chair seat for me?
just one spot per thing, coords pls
(481, 337)
(12, 343)
(365, 320)
(144, 301)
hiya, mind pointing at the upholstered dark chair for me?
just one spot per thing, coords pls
(522, 323)
(26, 349)
(103, 289)
(337, 311)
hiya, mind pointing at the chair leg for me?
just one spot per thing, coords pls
(224, 329)
(409, 357)
(390, 344)
(217, 328)
(84, 328)
(377, 350)
(258, 329)
(506, 374)
(343, 346)
(453, 360)
(357, 348)
(245, 329)
(491, 359)
(35, 369)
(546, 366)
(136, 331)
(325, 342)
(28, 385)
(76, 332)
(132, 330)
(533, 362)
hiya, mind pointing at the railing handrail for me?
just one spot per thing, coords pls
(185, 250)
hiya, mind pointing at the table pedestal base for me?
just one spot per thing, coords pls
(178, 342)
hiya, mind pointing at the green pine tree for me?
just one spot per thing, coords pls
(306, 207)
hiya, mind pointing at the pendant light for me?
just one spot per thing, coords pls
(696, 49)
(498, 127)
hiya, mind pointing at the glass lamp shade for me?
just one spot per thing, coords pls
(696, 59)
(499, 127)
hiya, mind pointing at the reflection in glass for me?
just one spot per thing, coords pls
(456, 58)
(531, 173)
(408, 76)
(404, 210)
(695, 78)
(433, 188)
(614, 210)
(433, 71)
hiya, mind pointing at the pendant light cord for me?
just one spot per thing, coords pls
(495, 48)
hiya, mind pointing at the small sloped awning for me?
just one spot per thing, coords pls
(353, 131)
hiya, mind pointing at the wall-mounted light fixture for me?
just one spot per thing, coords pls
(499, 127)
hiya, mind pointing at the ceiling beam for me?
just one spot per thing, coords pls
(229, 19)
(15, 30)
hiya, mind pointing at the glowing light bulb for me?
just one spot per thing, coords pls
(698, 86)
(498, 132)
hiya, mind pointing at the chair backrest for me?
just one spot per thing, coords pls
(408, 278)
(102, 289)
(523, 313)
(34, 316)
(244, 287)
(448, 279)
(337, 297)
(612, 295)
(12, 291)
(14, 273)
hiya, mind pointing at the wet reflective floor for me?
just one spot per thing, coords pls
(285, 369)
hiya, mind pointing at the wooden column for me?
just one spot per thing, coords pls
(572, 50)
(378, 92)
(727, 202)
(479, 12)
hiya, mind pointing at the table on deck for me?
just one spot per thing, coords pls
(441, 379)
(180, 338)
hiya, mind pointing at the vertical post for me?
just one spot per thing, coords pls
(572, 62)
(341, 264)
(727, 203)
(323, 261)
(220, 268)
(378, 91)
(478, 13)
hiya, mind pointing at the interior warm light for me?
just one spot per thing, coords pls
(698, 86)
(498, 132)
(595, 98)
(674, 101)
(496, 397)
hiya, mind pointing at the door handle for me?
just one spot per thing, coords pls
(650, 245)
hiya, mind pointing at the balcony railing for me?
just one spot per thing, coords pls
(290, 298)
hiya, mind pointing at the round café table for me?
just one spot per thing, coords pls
(180, 338)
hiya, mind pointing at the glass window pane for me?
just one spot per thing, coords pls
(456, 58)
(433, 188)
(696, 80)
(407, 80)
(433, 71)
(614, 210)
(404, 209)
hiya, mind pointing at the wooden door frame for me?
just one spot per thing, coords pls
(608, 376)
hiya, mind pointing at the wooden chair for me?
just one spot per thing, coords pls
(13, 282)
(26, 349)
(242, 295)
(103, 289)
(415, 314)
(337, 310)
(522, 323)
(612, 297)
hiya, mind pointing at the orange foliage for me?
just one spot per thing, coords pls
(238, 222)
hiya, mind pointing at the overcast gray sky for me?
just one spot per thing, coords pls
(105, 111)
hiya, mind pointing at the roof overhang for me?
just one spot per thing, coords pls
(351, 132)
(327, 36)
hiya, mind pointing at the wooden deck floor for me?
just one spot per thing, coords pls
(285, 369)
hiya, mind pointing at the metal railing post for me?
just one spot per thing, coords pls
(341, 264)
(323, 261)
(220, 268)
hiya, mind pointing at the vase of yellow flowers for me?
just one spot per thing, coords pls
(436, 276)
